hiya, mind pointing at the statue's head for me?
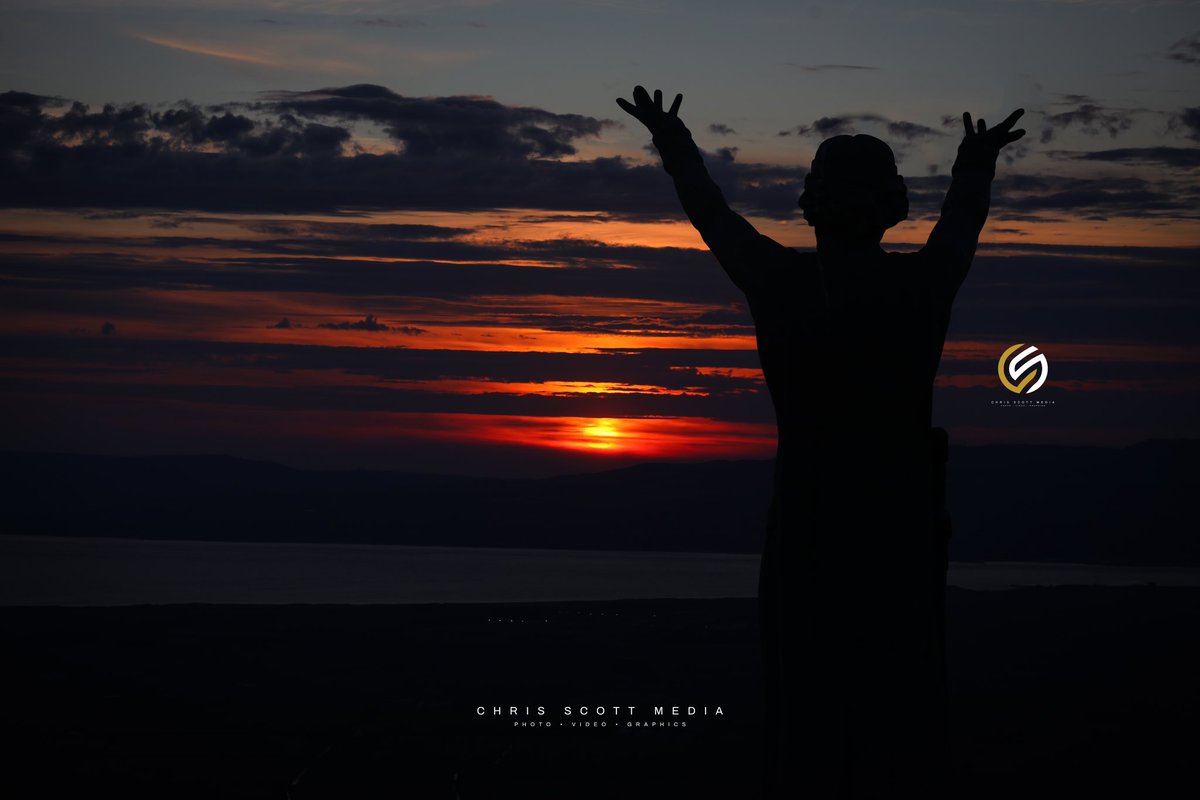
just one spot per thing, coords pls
(853, 190)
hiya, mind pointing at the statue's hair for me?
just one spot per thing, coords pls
(853, 179)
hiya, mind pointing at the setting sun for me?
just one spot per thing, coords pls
(603, 435)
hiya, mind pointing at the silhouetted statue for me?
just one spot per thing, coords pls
(852, 583)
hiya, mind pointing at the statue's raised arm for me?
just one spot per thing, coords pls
(953, 239)
(733, 240)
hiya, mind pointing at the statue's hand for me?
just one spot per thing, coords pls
(981, 145)
(650, 112)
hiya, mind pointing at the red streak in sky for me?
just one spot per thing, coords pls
(644, 437)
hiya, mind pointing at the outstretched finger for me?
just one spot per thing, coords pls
(641, 96)
(981, 126)
(628, 106)
(1011, 119)
(675, 104)
(658, 99)
(1014, 135)
(966, 122)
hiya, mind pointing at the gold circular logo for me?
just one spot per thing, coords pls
(1025, 372)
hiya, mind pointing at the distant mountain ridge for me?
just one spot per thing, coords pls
(1132, 505)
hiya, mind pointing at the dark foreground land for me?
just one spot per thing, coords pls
(1069, 692)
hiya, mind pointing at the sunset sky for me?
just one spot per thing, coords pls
(423, 236)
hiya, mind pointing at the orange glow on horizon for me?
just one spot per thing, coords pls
(86, 230)
(635, 437)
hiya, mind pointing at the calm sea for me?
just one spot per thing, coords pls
(115, 572)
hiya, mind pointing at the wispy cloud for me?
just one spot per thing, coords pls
(258, 55)
(1186, 121)
(828, 67)
(392, 22)
(1186, 50)
(1174, 157)
(848, 123)
(212, 51)
(1088, 116)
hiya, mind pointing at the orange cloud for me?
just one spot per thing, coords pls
(211, 51)
(257, 56)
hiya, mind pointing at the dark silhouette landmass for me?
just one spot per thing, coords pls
(1122, 506)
